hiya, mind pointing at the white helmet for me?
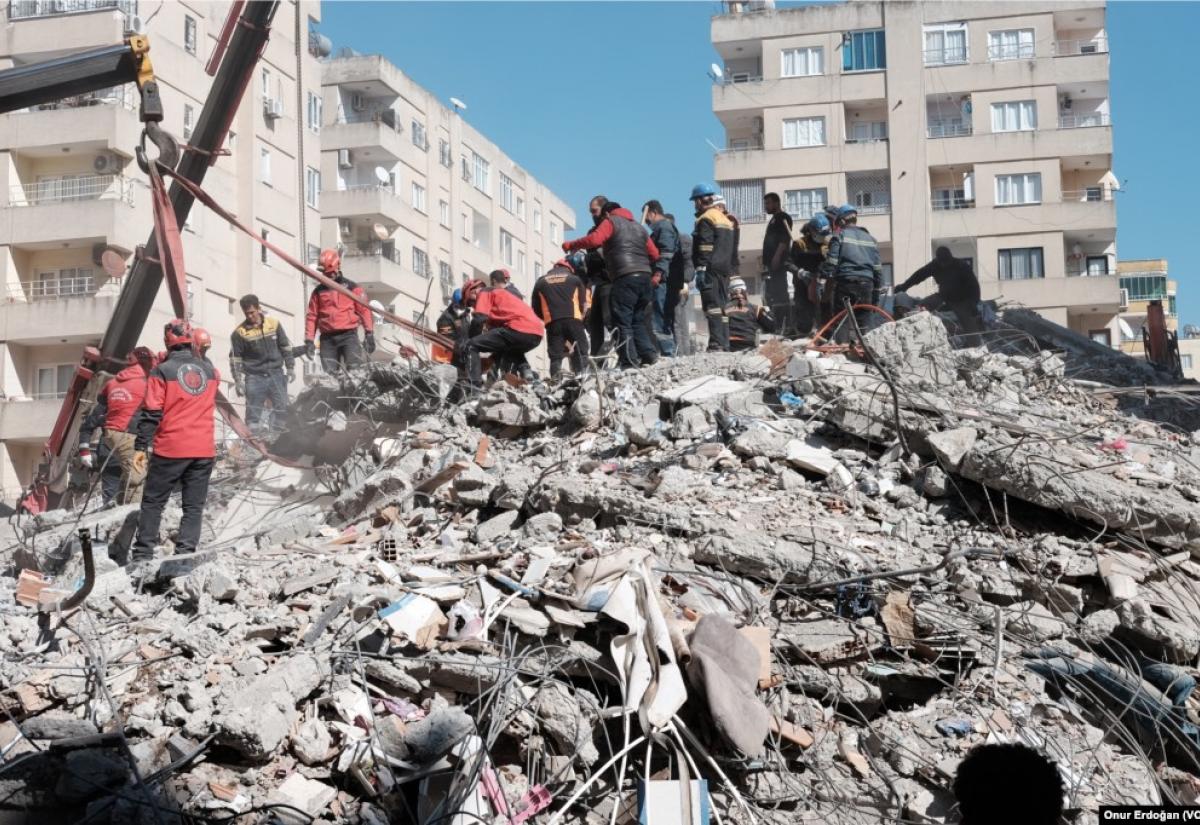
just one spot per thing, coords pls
(737, 283)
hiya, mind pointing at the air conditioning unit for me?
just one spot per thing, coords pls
(344, 159)
(272, 108)
(106, 164)
(344, 227)
(1124, 299)
(358, 102)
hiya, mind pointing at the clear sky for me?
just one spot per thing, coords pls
(614, 98)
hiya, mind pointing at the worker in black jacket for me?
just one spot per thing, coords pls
(679, 291)
(712, 255)
(957, 288)
(560, 298)
(804, 262)
(263, 364)
(853, 270)
(745, 318)
(777, 242)
(666, 239)
(598, 321)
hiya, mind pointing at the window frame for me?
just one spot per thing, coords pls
(189, 120)
(880, 47)
(995, 50)
(797, 120)
(799, 212)
(418, 197)
(190, 25)
(1026, 251)
(783, 61)
(1002, 108)
(508, 193)
(481, 173)
(264, 165)
(264, 254)
(943, 29)
(314, 112)
(420, 262)
(444, 213)
(508, 247)
(419, 138)
(1012, 184)
(312, 187)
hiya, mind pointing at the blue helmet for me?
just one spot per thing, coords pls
(456, 298)
(578, 260)
(830, 212)
(702, 190)
(818, 225)
(847, 210)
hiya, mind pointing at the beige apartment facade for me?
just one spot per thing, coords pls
(70, 190)
(981, 126)
(418, 200)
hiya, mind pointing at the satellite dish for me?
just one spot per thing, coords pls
(716, 72)
(113, 263)
(381, 174)
(458, 104)
(381, 232)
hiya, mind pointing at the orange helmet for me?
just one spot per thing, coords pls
(471, 290)
(176, 332)
(330, 261)
(201, 340)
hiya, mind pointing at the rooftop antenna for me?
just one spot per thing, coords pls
(459, 106)
(714, 146)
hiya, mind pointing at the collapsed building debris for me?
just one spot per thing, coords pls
(798, 586)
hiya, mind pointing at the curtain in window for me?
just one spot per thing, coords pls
(802, 204)
(743, 198)
(1021, 264)
(1017, 115)
(946, 46)
(1012, 44)
(803, 131)
(866, 50)
(1015, 189)
(802, 62)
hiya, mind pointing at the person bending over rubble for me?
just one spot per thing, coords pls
(338, 319)
(561, 299)
(177, 419)
(745, 318)
(804, 263)
(1008, 784)
(957, 288)
(510, 329)
(118, 411)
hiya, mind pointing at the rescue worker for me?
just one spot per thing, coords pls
(712, 257)
(201, 341)
(338, 319)
(777, 243)
(453, 321)
(736, 265)
(262, 363)
(599, 323)
(561, 299)
(629, 256)
(666, 240)
(804, 262)
(117, 411)
(679, 291)
(502, 279)
(510, 329)
(852, 268)
(745, 319)
(177, 419)
(957, 288)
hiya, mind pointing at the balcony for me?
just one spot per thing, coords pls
(99, 122)
(946, 56)
(945, 203)
(1069, 48)
(1099, 293)
(375, 137)
(375, 202)
(50, 27)
(27, 9)
(831, 87)
(1084, 121)
(946, 130)
(376, 267)
(40, 312)
(97, 208)
(29, 420)
(1080, 212)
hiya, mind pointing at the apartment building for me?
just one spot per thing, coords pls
(416, 198)
(1143, 281)
(980, 126)
(71, 191)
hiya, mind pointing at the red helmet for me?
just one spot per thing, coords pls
(330, 261)
(143, 356)
(471, 290)
(201, 340)
(176, 332)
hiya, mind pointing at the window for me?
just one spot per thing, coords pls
(950, 199)
(507, 194)
(444, 213)
(189, 34)
(312, 187)
(393, 184)
(1015, 190)
(870, 192)
(264, 165)
(801, 204)
(312, 254)
(266, 82)
(189, 120)
(1145, 287)
(537, 270)
(1021, 264)
(444, 153)
(537, 217)
(54, 380)
(946, 44)
(555, 232)
(802, 62)
(520, 261)
(264, 254)
(466, 226)
(1010, 44)
(520, 207)
(418, 197)
(744, 198)
(863, 51)
(803, 131)
(1185, 361)
(420, 262)
(418, 136)
(507, 248)
(1097, 265)
(1093, 193)
(445, 280)
(867, 131)
(314, 112)
(480, 173)
(1014, 116)
(1101, 336)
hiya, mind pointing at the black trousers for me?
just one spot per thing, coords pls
(632, 296)
(714, 295)
(775, 296)
(163, 475)
(341, 349)
(599, 320)
(508, 346)
(967, 312)
(558, 333)
(856, 291)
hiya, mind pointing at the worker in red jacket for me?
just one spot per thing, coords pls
(338, 319)
(177, 419)
(117, 412)
(509, 330)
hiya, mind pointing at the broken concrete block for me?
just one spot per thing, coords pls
(569, 719)
(1157, 636)
(544, 527)
(586, 411)
(951, 445)
(495, 527)
(255, 720)
(1033, 621)
(751, 366)
(430, 738)
(814, 458)
(307, 795)
(762, 441)
(934, 483)
(690, 423)
(172, 567)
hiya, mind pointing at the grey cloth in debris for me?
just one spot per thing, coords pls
(724, 666)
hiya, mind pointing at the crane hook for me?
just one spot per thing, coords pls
(168, 149)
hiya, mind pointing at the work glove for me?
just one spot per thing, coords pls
(86, 458)
(140, 464)
(369, 342)
(291, 374)
(239, 386)
(310, 348)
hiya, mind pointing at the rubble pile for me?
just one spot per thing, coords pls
(779, 586)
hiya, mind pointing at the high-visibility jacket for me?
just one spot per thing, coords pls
(330, 311)
(560, 294)
(177, 415)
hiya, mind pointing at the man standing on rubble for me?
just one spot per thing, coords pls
(804, 262)
(679, 291)
(259, 354)
(177, 419)
(777, 242)
(629, 255)
(745, 318)
(118, 411)
(561, 299)
(666, 240)
(502, 279)
(510, 329)
(712, 256)
(338, 319)
(599, 317)
(853, 269)
(957, 288)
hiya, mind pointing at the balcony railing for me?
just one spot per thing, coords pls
(1083, 121)
(739, 77)
(374, 250)
(745, 145)
(369, 187)
(58, 289)
(945, 130)
(876, 209)
(387, 117)
(940, 204)
(27, 9)
(124, 96)
(1090, 194)
(70, 190)
(946, 56)
(1066, 48)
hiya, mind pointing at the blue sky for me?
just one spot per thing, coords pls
(613, 97)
